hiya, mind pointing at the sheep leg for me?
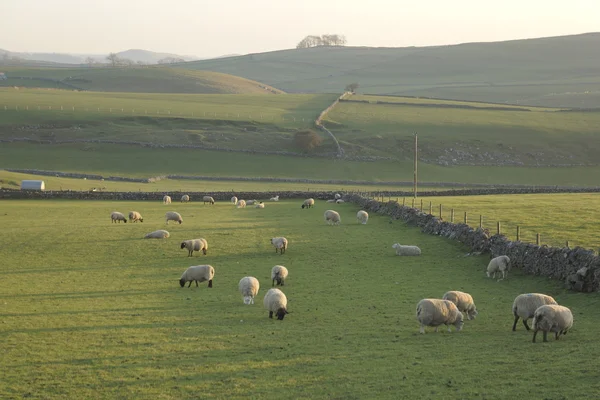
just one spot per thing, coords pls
(270, 314)
(422, 329)
(210, 283)
(204, 251)
(556, 335)
(534, 335)
(525, 323)
(515, 324)
(545, 336)
(190, 284)
(196, 283)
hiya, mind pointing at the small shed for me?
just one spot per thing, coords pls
(33, 185)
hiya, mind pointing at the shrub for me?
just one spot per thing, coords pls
(307, 139)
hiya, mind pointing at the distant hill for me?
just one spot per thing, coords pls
(136, 55)
(151, 57)
(561, 71)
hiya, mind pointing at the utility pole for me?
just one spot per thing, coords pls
(415, 169)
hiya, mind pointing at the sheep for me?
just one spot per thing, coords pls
(160, 234)
(208, 199)
(308, 203)
(279, 273)
(280, 243)
(435, 312)
(116, 216)
(260, 205)
(276, 302)
(276, 198)
(331, 201)
(135, 216)
(241, 204)
(406, 250)
(185, 198)
(337, 196)
(464, 302)
(524, 306)
(339, 201)
(234, 200)
(197, 273)
(332, 217)
(167, 200)
(552, 318)
(173, 216)
(362, 217)
(498, 264)
(249, 287)
(195, 245)
(250, 202)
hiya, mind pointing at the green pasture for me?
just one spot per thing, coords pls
(89, 309)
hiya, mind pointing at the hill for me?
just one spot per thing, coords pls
(559, 71)
(151, 57)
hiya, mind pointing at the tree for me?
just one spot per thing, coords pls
(323, 40)
(170, 60)
(113, 59)
(90, 61)
(307, 139)
(352, 87)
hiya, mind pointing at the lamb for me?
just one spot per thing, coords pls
(185, 198)
(241, 204)
(276, 198)
(198, 273)
(208, 199)
(250, 202)
(135, 216)
(173, 216)
(435, 312)
(280, 243)
(167, 200)
(160, 234)
(279, 273)
(248, 287)
(234, 200)
(195, 245)
(362, 217)
(308, 203)
(260, 205)
(464, 302)
(339, 201)
(116, 216)
(525, 305)
(337, 196)
(552, 318)
(332, 217)
(406, 250)
(331, 201)
(276, 302)
(498, 264)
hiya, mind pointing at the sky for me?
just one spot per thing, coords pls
(213, 28)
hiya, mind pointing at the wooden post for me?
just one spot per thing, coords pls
(413, 202)
(480, 221)
(421, 204)
(441, 217)
(537, 239)
(430, 209)
(499, 228)
(415, 170)
(404, 201)
(452, 215)
(567, 244)
(466, 219)
(518, 233)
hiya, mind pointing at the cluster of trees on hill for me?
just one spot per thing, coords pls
(115, 61)
(323, 40)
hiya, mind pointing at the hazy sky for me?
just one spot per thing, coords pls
(217, 27)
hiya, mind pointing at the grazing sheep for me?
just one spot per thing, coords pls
(116, 216)
(339, 201)
(279, 273)
(185, 198)
(250, 202)
(208, 199)
(260, 205)
(308, 203)
(241, 204)
(234, 200)
(197, 273)
(331, 201)
(525, 305)
(276, 198)
(280, 243)
(552, 318)
(464, 302)
(160, 234)
(405, 250)
(135, 216)
(167, 200)
(498, 264)
(435, 312)
(248, 287)
(276, 302)
(362, 217)
(195, 245)
(337, 196)
(332, 217)
(173, 216)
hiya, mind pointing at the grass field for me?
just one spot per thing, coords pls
(90, 309)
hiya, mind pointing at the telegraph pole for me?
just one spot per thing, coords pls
(415, 169)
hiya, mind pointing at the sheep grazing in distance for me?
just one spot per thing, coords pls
(241, 204)
(195, 245)
(552, 318)
(339, 201)
(234, 200)
(276, 198)
(249, 287)
(337, 196)
(332, 217)
(279, 273)
(185, 198)
(160, 234)
(116, 216)
(406, 250)
(524, 306)
(135, 216)
(276, 302)
(260, 205)
(308, 203)
(208, 199)
(167, 200)
(197, 273)
(435, 312)
(498, 264)
(173, 216)
(331, 201)
(464, 302)
(362, 217)
(280, 243)
(250, 202)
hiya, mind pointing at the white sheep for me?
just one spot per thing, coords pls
(276, 302)
(195, 245)
(339, 201)
(208, 199)
(406, 250)
(332, 217)
(308, 203)
(116, 216)
(241, 204)
(260, 205)
(160, 234)
(552, 318)
(362, 217)
(498, 264)
(525, 304)
(197, 273)
(337, 196)
(135, 216)
(280, 243)
(276, 198)
(249, 287)
(185, 198)
(435, 312)
(167, 200)
(234, 200)
(464, 302)
(250, 202)
(331, 201)
(279, 273)
(173, 216)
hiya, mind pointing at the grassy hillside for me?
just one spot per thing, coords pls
(556, 72)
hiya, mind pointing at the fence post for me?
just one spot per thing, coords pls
(430, 209)
(452, 215)
(480, 221)
(567, 244)
(413, 202)
(403, 201)
(499, 228)
(518, 233)
(421, 204)
(441, 217)
(537, 239)
(466, 219)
